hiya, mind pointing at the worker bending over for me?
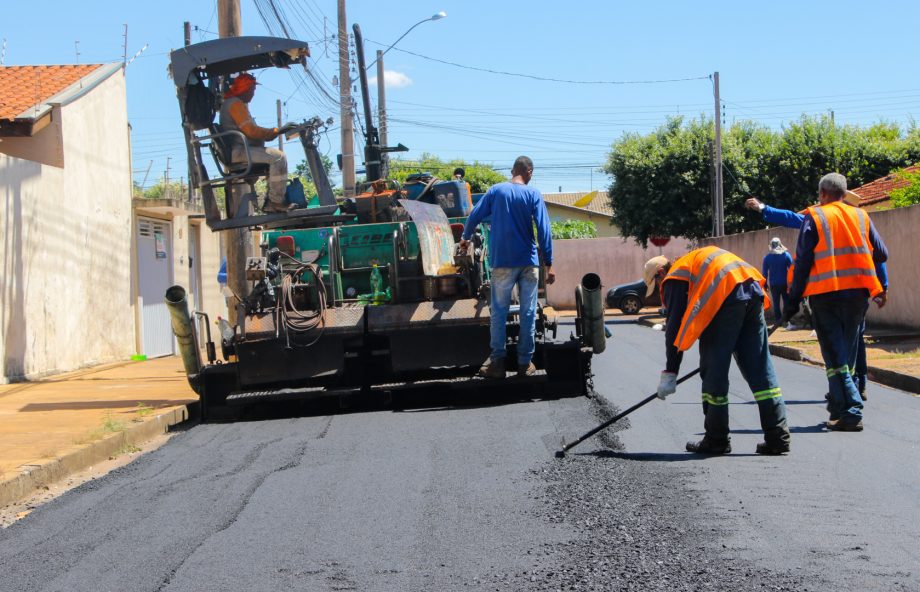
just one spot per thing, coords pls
(716, 297)
(837, 262)
(234, 115)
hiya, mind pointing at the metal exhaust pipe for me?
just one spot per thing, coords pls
(592, 313)
(185, 334)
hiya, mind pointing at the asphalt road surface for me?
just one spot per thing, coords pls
(471, 499)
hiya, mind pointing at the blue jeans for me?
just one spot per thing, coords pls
(739, 330)
(838, 323)
(503, 281)
(780, 299)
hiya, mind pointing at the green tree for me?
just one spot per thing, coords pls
(302, 170)
(663, 180)
(909, 194)
(573, 229)
(479, 176)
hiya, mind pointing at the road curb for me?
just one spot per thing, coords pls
(904, 382)
(39, 475)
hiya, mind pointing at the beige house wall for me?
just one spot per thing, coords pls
(208, 259)
(615, 260)
(898, 229)
(213, 302)
(65, 254)
(604, 228)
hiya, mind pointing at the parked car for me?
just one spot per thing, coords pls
(630, 298)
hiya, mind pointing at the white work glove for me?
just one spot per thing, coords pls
(667, 385)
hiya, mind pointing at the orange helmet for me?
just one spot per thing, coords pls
(240, 85)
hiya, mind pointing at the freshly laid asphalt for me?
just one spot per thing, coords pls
(472, 499)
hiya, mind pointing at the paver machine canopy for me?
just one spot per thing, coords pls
(200, 72)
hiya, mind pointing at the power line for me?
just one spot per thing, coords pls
(540, 78)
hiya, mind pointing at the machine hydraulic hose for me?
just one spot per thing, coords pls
(591, 311)
(185, 334)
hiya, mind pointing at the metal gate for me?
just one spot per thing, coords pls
(154, 267)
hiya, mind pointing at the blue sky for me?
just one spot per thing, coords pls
(776, 60)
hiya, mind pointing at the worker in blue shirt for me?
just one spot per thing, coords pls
(790, 219)
(776, 264)
(515, 210)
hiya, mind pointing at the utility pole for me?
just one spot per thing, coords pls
(238, 240)
(187, 35)
(147, 174)
(280, 136)
(718, 220)
(124, 49)
(166, 179)
(381, 100)
(382, 116)
(347, 127)
(229, 21)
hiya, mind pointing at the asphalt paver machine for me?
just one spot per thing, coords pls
(360, 298)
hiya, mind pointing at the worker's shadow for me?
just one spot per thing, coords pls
(654, 456)
(809, 429)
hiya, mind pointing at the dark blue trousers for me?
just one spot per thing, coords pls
(838, 322)
(780, 298)
(739, 330)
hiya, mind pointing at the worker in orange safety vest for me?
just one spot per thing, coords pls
(715, 297)
(837, 262)
(235, 116)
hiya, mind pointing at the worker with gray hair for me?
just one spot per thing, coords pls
(790, 219)
(836, 266)
(775, 268)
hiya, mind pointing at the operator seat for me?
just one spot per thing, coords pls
(235, 173)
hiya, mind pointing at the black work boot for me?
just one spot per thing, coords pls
(493, 368)
(772, 448)
(705, 446)
(528, 370)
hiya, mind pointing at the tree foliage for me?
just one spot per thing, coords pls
(479, 176)
(663, 180)
(909, 194)
(302, 170)
(573, 229)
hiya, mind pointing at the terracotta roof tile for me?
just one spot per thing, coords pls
(599, 205)
(880, 189)
(23, 87)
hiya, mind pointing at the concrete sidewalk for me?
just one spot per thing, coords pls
(894, 356)
(52, 428)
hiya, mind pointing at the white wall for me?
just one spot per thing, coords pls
(65, 254)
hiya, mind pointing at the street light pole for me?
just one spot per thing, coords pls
(434, 17)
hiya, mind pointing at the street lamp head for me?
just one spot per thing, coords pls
(438, 16)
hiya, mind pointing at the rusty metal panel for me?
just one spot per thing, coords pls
(260, 326)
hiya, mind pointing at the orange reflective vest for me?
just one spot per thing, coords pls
(843, 255)
(712, 274)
